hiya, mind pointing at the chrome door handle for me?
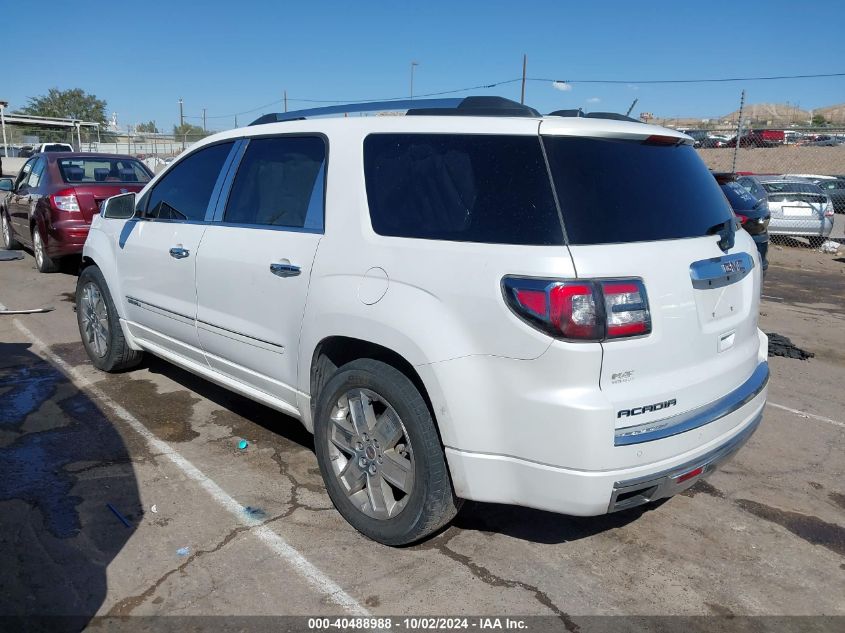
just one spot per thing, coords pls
(284, 269)
(178, 252)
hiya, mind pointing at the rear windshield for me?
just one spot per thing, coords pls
(460, 187)
(791, 187)
(613, 191)
(739, 197)
(94, 170)
(56, 147)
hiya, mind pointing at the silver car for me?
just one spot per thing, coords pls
(797, 207)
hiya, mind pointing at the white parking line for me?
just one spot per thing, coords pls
(316, 578)
(804, 414)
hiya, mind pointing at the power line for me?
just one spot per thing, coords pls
(536, 79)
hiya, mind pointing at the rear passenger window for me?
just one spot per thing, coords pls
(461, 187)
(184, 192)
(280, 182)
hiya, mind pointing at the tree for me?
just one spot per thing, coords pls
(149, 128)
(191, 132)
(68, 104)
(819, 120)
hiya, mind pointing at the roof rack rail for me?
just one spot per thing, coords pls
(578, 112)
(468, 106)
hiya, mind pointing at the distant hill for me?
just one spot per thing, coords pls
(834, 114)
(763, 114)
(770, 114)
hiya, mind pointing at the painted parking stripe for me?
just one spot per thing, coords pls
(307, 570)
(804, 414)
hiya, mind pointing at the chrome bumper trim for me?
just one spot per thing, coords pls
(635, 492)
(683, 422)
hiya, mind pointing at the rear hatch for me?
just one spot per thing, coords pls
(795, 200)
(639, 203)
(92, 196)
(94, 178)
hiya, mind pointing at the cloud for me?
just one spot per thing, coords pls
(562, 86)
(593, 100)
(633, 87)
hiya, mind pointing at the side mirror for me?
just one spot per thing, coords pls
(6, 184)
(120, 207)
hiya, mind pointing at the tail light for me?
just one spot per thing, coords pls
(828, 209)
(65, 200)
(595, 310)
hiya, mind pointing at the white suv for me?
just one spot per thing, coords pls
(471, 301)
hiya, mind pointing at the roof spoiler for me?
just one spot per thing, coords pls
(578, 112)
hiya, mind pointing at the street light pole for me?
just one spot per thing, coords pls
(3, 105)
(413, 65)
(181, 116)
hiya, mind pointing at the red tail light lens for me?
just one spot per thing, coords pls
(626, 309)
(65, 200)
(741, 218)
(580, 310)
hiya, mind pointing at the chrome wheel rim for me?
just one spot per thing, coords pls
(95, 320)
(371, 454)
(7, 233)
(38, 247)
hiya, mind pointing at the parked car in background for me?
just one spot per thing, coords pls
(52, 147)
(752, 212)
(759, 138)
(797, 207)
(825, 140)
(49, 206)
(835, 189)
(715, 140)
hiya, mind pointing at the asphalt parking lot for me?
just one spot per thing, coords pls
(127, 495)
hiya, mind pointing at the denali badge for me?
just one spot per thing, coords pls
(733, 266)
(648, 408)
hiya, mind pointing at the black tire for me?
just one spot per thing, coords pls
(431, 502)
(7, 233)
(43, 262)
(118, 356)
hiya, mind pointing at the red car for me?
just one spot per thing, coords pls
(49, 206)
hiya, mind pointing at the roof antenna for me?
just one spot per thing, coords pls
(628, 113)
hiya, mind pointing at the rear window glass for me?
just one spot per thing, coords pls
(57, 147)
(739, 197)
(613, 191)
(790, 187)
(459, 187)
(105, 170)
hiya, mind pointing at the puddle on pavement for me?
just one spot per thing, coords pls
(838, 498)
(780, 345)
(72, 353)
(168, 415)
(705, 487)
(805, 526)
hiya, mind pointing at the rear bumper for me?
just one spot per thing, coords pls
(67, 237)
(509, 480)
(808, 227)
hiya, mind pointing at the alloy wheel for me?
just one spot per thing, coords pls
(38, 247)
(95, 320)
(371, 453)
(7, 232)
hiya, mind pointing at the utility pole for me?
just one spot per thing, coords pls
(236, 120)
(3, 106)
(524, 67)
(738, 130)
(203, 120)
(413, 65)
(181, 115)
(286, 100)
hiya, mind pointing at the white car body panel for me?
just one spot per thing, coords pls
(524, 418)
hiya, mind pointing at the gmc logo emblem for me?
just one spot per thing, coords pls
(734, 266)
(647, 408)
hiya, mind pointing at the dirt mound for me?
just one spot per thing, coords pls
(780, 345)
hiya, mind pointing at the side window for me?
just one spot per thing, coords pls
(23, 177)
(184, 192)
(280, 182)
(37, 172)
